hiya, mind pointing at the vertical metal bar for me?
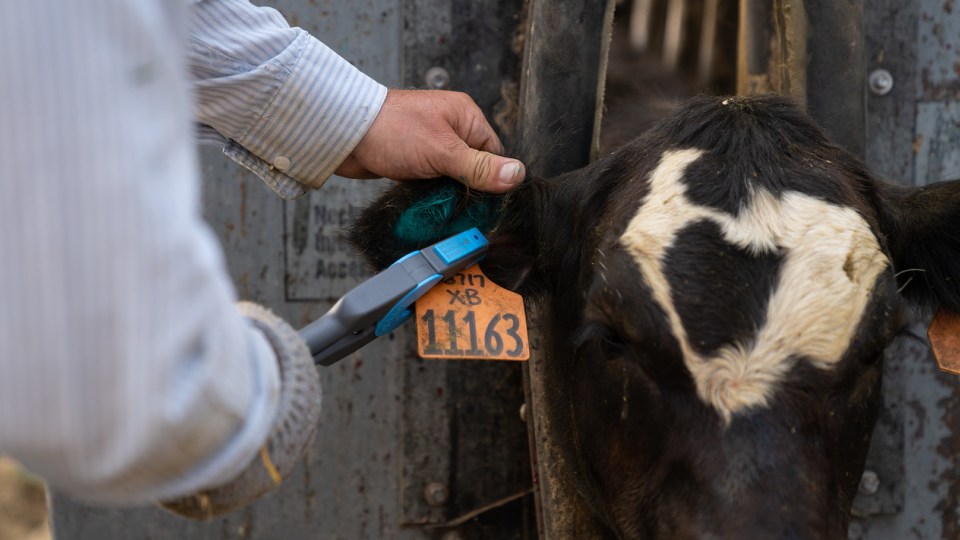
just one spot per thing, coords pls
(708, 38)
(563, 76)
(835, 72)
(812, 50)
(560, 96)
(640, 16)
(673, 34)
(753, 50)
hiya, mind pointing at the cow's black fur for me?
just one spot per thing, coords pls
(711, 279)
(652, 459)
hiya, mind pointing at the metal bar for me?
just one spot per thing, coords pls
(835, 74)
(753, 49)
(812, 50)
(640, 15)
(708, 38)
(561, 94)
(563, 74)
(673, 34)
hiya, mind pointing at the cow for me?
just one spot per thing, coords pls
(716, 298)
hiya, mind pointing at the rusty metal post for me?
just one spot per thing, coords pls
(835, 76)
(561, 90)
(812, 50)
(561, 97)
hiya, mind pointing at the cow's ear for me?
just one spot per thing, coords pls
(922, 226)
(411, 215)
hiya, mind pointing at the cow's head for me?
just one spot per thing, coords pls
(717, 296)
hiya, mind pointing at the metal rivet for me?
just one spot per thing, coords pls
(437, 78)
(523, 412)
(880, 82)
(436, 494)
(869, 483)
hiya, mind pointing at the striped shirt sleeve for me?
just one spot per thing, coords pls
(126, 374)
(283, 104)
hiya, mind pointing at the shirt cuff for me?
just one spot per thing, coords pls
(317, 117)
(283, 185)
(241, 449)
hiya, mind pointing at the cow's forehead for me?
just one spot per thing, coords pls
(828, 259)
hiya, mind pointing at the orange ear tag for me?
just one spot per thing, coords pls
(468, 316)
(944, 336)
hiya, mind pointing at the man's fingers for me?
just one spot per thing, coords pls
(481, 164)
(485, 171)
(474, 129)
(482, 137)
(427, 133)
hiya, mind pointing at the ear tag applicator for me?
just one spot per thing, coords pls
(382, 303)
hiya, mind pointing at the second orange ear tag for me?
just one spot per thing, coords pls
(944, 336)
(468, 316)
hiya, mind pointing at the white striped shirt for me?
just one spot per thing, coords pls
(126, 376)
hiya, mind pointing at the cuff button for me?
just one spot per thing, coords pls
(282, 163)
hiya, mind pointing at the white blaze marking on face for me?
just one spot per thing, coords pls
(831, 261)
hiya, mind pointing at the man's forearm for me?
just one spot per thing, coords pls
(126, 374)
(288, 107)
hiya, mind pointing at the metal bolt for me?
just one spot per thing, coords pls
(880, 82)
(436, 494)
(523, 412)
(869, 483)
(437, 78)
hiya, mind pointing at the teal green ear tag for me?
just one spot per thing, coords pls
(445, 212)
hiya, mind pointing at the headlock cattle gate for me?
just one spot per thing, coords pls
(414, 449)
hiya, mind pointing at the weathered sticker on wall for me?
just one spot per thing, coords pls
(320, 264)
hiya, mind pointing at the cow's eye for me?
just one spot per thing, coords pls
(603, 339)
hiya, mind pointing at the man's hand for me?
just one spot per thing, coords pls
(431, 133)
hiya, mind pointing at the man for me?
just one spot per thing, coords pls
(127, 375)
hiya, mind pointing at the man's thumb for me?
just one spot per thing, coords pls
(488, 172)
